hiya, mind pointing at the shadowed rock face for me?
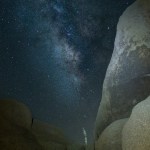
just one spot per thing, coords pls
(15, 113)
(136, 132)
(20, 132)
(111, 137)
(15, 124)
(49, 136)
(127, 80)
(18, 139)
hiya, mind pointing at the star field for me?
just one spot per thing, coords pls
(54, 55)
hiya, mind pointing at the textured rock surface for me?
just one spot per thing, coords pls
(48, 136)
(127, 80)
(136, 132)
(110, 138)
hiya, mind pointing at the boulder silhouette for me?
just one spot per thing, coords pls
(49, 136)
(19, 131)
(127, 80)
(15, 125)
(16, 113)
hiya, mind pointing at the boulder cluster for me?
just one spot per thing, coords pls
(123, 119)
(19, 131)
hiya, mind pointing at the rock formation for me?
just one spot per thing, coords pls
(15, 124)
(126, 84)
(127, 80)
(19, 131)
(136, 132)
(15, 113)
(49, 136)
(110, 138)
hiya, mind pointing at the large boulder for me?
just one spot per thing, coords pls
(18, 139)
(15, 125)
(111, 137)
(20, 132)
(127, 80)
(14, 112)
(136, 132)
(49, 136)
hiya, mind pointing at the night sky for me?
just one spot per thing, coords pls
(54, 55)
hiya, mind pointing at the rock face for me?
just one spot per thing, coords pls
(48, 136)
(18, 139)
(20, 132)
(15, 113)
(127, 80)
(75, 147)
(136, 132)
(110, 138)
(15, 124)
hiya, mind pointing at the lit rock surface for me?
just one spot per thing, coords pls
(127, 80)
(136, 132)
(111, 137)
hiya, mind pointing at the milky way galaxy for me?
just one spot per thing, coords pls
(54, 55)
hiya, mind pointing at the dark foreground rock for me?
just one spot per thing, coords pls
(127, 80)
(14, 113)
(15, 124)
(49, 136)
(18, 131)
